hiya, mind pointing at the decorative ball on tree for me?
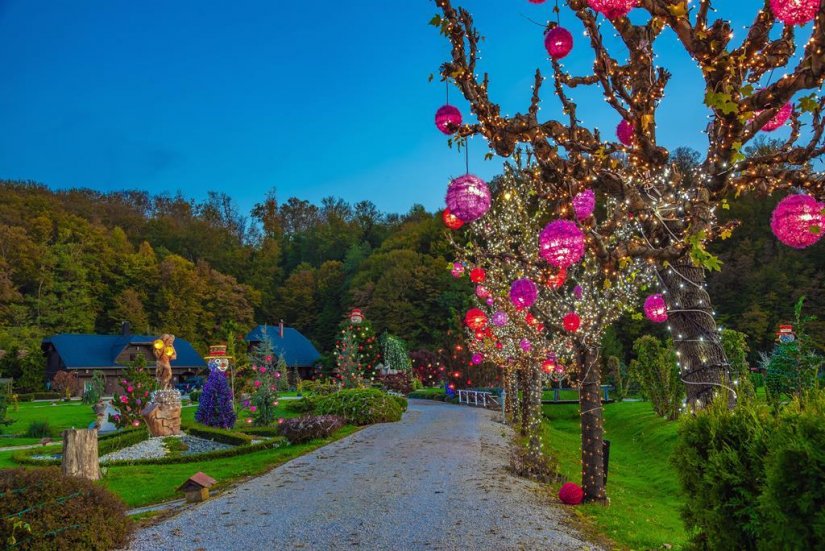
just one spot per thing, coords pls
(561, 243)
(797, 221)
(468, 197)
(457, 269)
(451, 220)
(500, 318)
(478, 275)
(656, 308)
(559, 42)
(779, 119)
(136, 386)
(215, 407)
(357, 352)
(584, 203)
(571, 322)
(448, 119)
(523, 293)
(475, 319)
(625, 133)
(482, 292)
(612, 9)
(795, 12)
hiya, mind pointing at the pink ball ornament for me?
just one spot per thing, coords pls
(798, 220)
(561, 243)
(584, 203)
(523, 293)
(571, 493)
(558, 41)
(577, 292)
(448, 119)
(779, 119)
(795, 12)
(500, 318)
(656, 308)
(477, 358)
(457, 270)
(625, 133)
(490, 301)
(571, 322)
(537, 1)
(526, 345)
(612, 9)
(482, 291)
(468, 197)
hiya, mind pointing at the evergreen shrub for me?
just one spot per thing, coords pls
(361, 406)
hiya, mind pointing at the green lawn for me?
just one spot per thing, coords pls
(644, 494)
(60, 416)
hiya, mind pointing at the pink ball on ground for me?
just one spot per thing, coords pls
(561, 243)
(571, 493)
(779, 119)
(558, 41)
(448, 119)
(584, 203)
(795, 12)
(523, 293)
(656, 308)
(797, 221)
(612, 9)
(625, 133)
(468, 197)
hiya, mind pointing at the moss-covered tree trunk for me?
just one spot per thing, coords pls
(592, 423)
(703, 365)
(510, 397)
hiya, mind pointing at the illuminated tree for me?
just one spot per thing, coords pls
(357, 352)
(673, 210)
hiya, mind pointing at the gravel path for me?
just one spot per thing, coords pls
(434, 481)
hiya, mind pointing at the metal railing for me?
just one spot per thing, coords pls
(478, 398)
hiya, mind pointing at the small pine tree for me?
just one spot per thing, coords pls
(357, 353)
(265, 382)
(283, 375)
(395, 354)
(136, 385)
(215, 407)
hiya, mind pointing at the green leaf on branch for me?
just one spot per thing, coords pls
(699, 255)
(808, 104)
(488, 156)
(746, 90)
(720, 101)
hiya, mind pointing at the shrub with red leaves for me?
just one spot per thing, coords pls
(309, 427)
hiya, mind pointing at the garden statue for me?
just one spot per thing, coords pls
(164, 352)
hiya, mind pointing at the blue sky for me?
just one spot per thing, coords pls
(311, 98)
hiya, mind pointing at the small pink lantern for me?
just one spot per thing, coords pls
(625, 133)
(561, 243)
(500, 318)
(537, 1)
(656, 308)
(612, 9)
(584, 203)
(482, 291)
(779, 119)
(468, 197)
(457, 270)
(448, 119)
(795, 12)
(558, 41)
(523, 293)
(798, 220)
(477, 358)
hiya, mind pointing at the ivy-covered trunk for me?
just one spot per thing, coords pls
(511, 410)
(524, 403)
(592, 422)
(702, 361)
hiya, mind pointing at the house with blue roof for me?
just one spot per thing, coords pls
(299, 353)
(110, 354)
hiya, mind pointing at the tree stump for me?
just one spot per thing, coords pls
(80, 454)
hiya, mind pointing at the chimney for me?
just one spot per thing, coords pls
(125, 328)
(281, 328)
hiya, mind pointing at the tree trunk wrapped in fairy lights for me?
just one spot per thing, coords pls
(671, 211)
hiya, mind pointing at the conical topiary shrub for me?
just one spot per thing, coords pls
(215, 405)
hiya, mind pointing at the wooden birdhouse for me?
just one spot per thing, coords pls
(197, 487)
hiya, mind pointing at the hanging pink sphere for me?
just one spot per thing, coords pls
(526, 345)
(798, 221)
(458, 269)
(794, 12)
(571, 322)
(656, 308)
(584, 203)
(612, 9)
(625, 133)
(490, 301)
(558, 41)
(523, 293)
(477, 358)
(577, 291)
(448, 119)
(482, 291)
(468, 197)
(779, 119)
(561, 243)
(500, 318)
(537, 1)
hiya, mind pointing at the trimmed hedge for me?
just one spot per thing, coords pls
(304, 405)
(266, 432)
(224, 436)
(63, 512)
(361, 406)
(31, 396)
(109, 443)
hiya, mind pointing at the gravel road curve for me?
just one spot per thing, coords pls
(434, 481)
